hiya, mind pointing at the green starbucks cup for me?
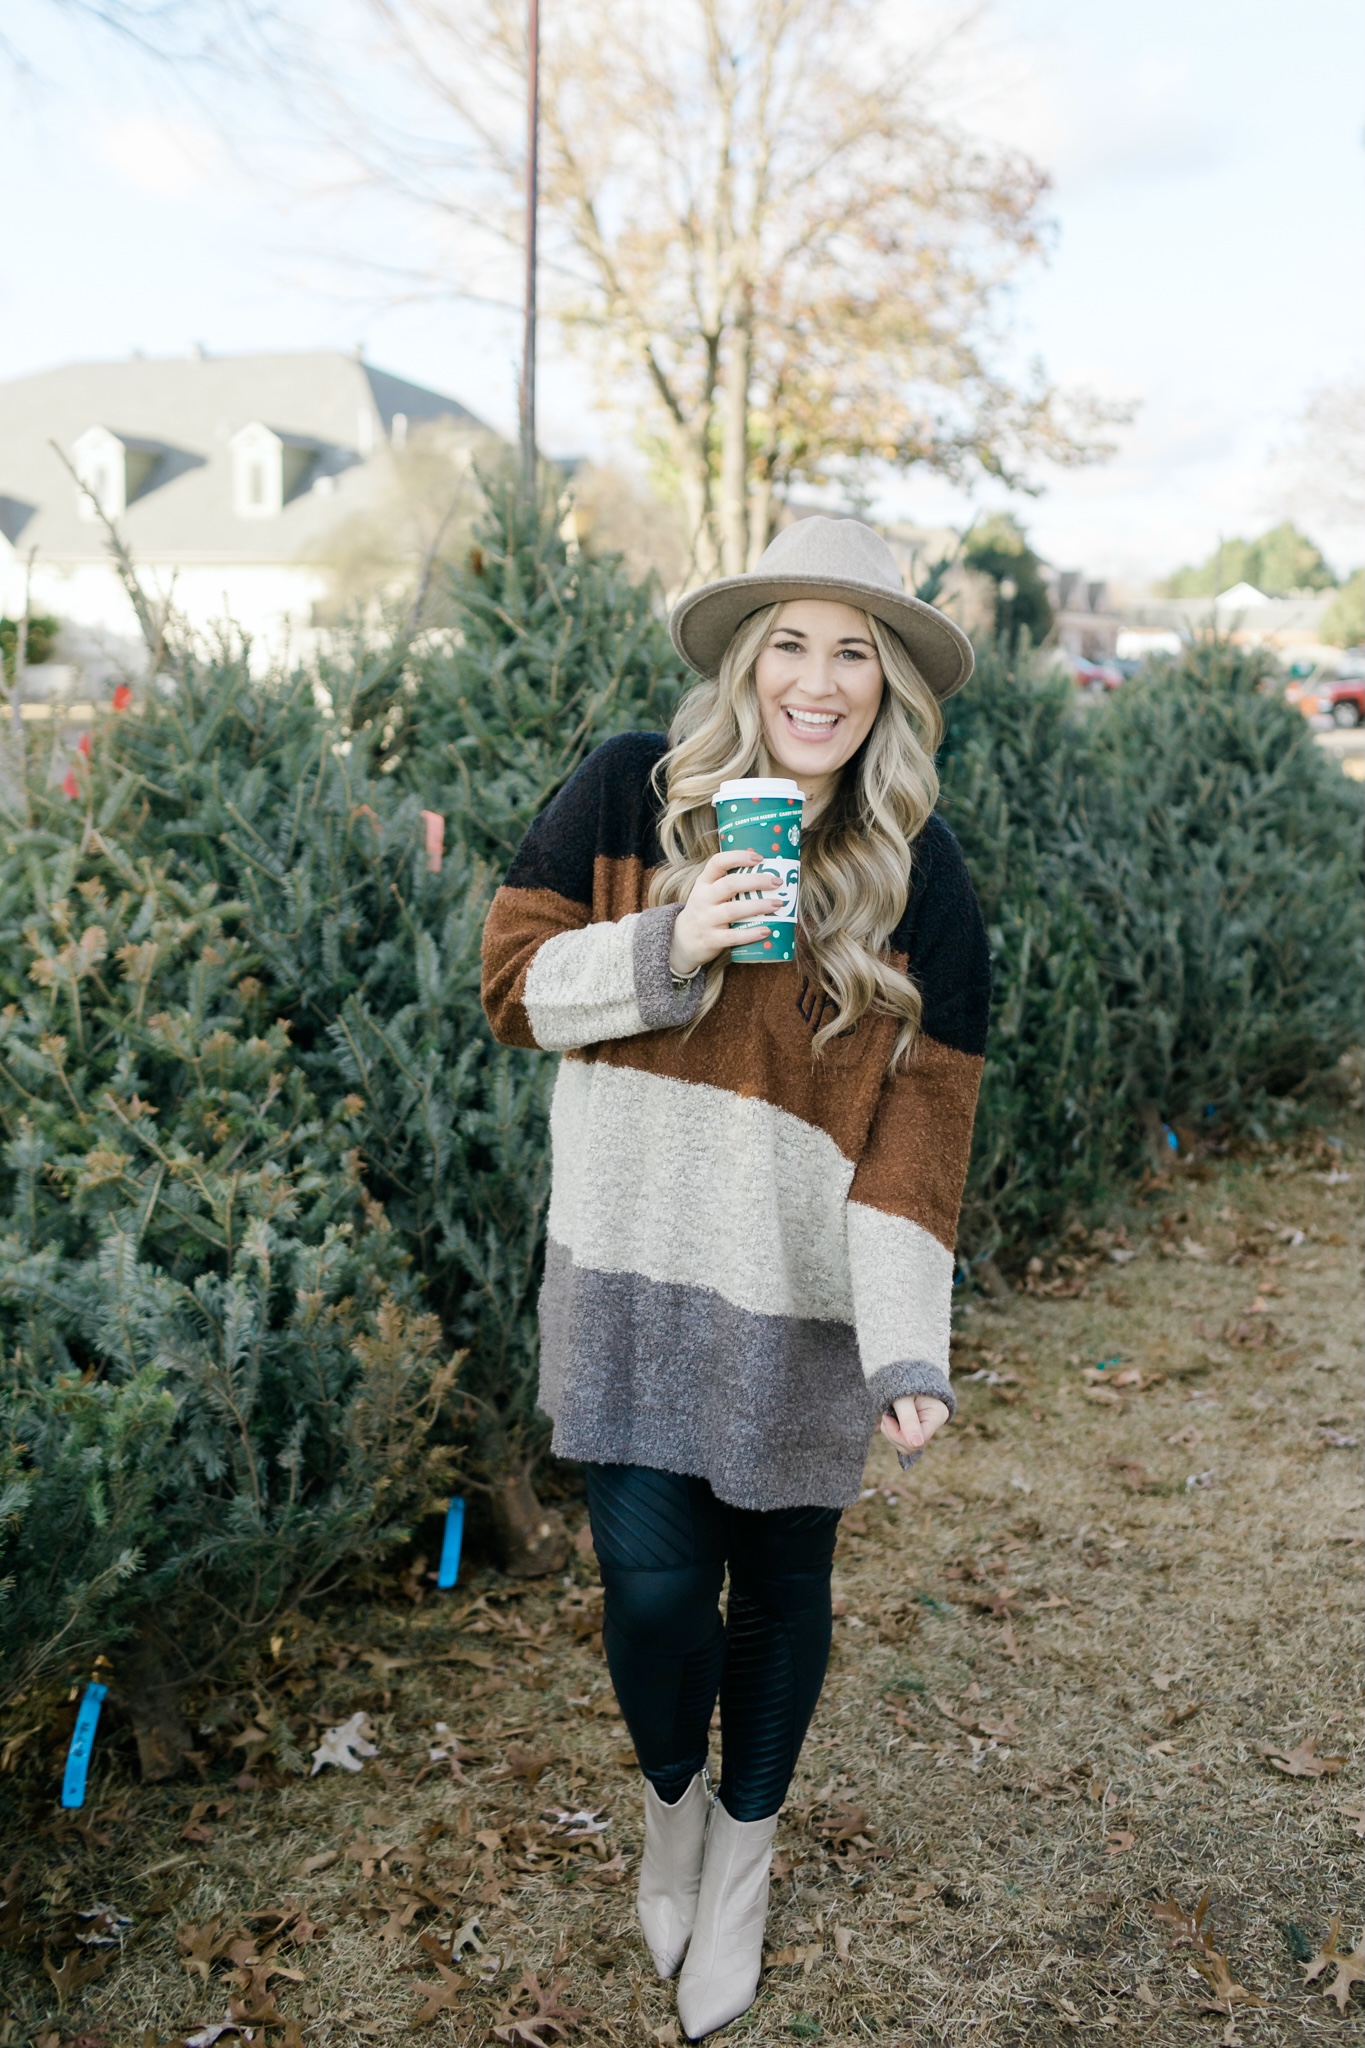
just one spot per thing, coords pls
(763, 814)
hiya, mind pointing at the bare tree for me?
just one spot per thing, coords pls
(418, 522)
(763, 224)
(1326, 461)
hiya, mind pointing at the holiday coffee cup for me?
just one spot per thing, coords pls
(762, 814)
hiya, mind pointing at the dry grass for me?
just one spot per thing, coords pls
(1063, 1644)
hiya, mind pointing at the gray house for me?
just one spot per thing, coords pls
(229, 475)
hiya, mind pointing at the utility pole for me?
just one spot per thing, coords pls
(528, 347)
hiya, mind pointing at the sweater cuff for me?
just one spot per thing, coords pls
(664, 1003)
(905, 1376)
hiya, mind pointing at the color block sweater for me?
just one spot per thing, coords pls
(750, 1249)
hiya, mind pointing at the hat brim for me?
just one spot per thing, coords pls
(703, 623)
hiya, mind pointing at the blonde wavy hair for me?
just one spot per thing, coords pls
(855, 856)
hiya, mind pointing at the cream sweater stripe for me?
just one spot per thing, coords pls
(755, 1196)
(902, 1290)
(581, 987)
(607, 981)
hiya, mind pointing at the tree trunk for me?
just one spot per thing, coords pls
(533, 1539)
(1154, 1132)
(734, 449)
(760, 520)
(694, 484)
(150, 1693)
(993, 1280)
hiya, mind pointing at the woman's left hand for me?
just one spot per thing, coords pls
(917, 1418)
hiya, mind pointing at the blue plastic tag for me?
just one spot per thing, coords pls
(450, 1547)
(82, 1742)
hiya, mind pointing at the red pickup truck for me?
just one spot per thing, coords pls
(1340, 698)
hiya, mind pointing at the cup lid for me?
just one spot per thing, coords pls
(758, 785)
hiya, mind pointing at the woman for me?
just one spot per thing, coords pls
(757, 1173)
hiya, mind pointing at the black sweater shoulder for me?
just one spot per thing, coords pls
(608, 809)
(944, 940)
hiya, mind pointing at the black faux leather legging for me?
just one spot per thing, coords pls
(663, 1541)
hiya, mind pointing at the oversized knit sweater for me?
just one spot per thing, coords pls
(750, 1248)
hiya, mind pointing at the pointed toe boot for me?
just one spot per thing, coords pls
(724, 1958)
(670, 1871)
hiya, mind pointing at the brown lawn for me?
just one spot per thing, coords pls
(1095, 1660)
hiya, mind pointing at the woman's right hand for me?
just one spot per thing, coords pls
(704, 926)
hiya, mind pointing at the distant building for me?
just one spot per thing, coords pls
(1085, 625)
(227, 475)
(1245, 616)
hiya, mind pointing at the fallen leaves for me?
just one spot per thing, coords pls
(996, 1727)
(345, 1746)
(1354, 1818)
(1301, 1762)
(526, 1764)
(796, 1955)
(1348, 1963)
(75, 1971)
(195, 1828)
(1134, 1474)
(254, 1961)
(531, 2010)
(1255, 1331)
(201, 1947)
(842, 1830)
(1100, 1384)
(1191, 1929)
(577, 1826)
(446, 1995)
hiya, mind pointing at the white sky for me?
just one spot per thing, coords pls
(1208, 164)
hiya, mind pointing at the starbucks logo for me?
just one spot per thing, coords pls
(793, 835)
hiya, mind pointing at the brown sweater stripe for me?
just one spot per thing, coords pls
(914, 1163)
(618, 887)
(519, 923)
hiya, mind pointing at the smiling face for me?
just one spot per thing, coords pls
(819, 682)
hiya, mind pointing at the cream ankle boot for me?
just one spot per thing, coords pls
(725, 1956)
(670, 1871)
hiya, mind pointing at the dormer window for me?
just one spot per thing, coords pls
(114, 469)
(268, 469)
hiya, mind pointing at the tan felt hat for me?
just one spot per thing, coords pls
(835, 558)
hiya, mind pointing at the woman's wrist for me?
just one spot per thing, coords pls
(681, 964)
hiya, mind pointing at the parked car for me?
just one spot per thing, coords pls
(1096, 675)
(1343, 700)
(1340, 698)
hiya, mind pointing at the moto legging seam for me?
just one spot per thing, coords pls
(663, 1541)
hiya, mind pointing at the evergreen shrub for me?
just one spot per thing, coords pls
(268, 1177)
(1172, 885)
(220, 1380)
(1048, 1126)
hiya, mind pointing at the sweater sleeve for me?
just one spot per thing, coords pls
(907, 1187)
(555, 976)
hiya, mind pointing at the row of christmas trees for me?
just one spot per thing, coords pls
(272, 1199)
